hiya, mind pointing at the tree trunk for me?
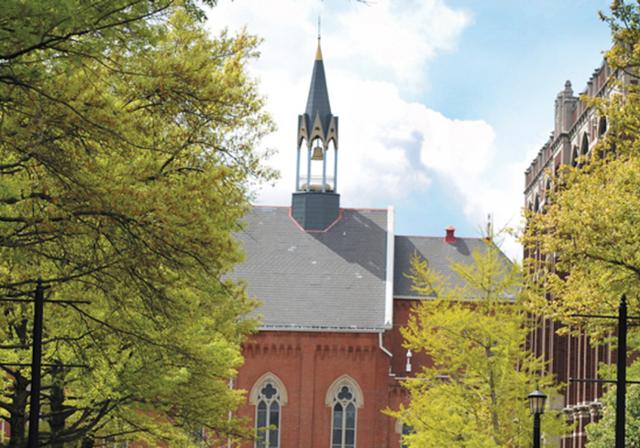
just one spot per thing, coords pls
(494, 398)
(18, 415)
(88, 442)
(20, 395)
(58, 418)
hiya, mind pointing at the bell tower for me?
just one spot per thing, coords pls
(315, 202)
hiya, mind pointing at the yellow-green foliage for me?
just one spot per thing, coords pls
(601, 434)
(588, 234)
(590, 228)
(474, 394)
(127, 160)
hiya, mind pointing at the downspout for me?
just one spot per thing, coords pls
(382, 347)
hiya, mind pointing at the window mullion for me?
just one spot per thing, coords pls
(344, 425)
(267, 435)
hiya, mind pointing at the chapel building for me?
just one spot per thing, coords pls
(328, 358)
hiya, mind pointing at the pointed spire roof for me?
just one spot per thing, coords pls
(318, 99)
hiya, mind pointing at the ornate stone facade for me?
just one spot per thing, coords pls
(577, 130)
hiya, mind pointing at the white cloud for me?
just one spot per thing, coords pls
(376, 59)
(398, 42)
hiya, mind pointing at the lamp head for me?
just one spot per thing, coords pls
(537, 401)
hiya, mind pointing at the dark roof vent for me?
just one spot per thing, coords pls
(450, 237)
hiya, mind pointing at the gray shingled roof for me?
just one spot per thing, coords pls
(312, 280)
(439, 255)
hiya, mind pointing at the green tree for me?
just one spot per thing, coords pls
(474, 393)
(585, 248)
(601, 434)
(127, 159)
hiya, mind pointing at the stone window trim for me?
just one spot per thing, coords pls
(264, 379)
(344, 397)
(344, 380)
(403, 429)
(268, 395)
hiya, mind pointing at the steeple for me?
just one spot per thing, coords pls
(315, 202)
(317, 120)
(318, 105)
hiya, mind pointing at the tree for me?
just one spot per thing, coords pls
(601, 434)
(474, 394)
(589, 230)
(127, 159)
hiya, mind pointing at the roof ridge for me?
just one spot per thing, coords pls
(442, 237)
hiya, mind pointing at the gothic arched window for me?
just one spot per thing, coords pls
(584, 148)
(268, 417)
(268, 395)
(344, 397)
(602, 126)
(406, 430)
(574, 156)
(343, 431)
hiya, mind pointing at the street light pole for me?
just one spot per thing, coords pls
(36, 357)
(536, 430)
(621, 373)
(621, 380)
(34, 408)
(537, 400)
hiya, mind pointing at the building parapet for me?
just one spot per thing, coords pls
(570, 113)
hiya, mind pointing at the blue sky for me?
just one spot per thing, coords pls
(442, 103)
(507, 68)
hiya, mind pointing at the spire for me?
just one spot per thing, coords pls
(318, 99)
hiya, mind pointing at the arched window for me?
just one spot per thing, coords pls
(406, 430)
(584, 148)
(547, 188)
(268, 417)
(574, 156)
(343, 431)
(344, 397)
(602, 126)
(268, 395)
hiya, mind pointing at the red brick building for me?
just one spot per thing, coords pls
(329, 357)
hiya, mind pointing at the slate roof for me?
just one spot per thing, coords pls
(439, 255)
(335, 280)
(316, 280)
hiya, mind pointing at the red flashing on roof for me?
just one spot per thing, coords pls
(451, 235)
(326, 229)
(366, 209)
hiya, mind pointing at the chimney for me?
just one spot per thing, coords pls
(451, 237)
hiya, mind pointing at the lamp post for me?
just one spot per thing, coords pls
(536, 405)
